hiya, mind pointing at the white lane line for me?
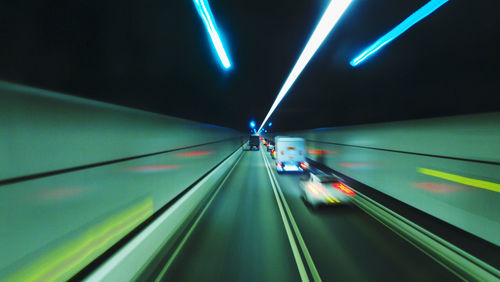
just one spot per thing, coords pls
(302, 243)
(291, 240)
(186, 237)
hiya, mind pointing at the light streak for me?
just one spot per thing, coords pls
(414, 18)
(332, 14)
(461, 179)
(195, 154)
(64, 261)
(322, 152)
(209, 21)
(344, 189)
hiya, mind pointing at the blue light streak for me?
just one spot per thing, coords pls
(417, 16)
(330, 17)
(252, 124)
(207, 17)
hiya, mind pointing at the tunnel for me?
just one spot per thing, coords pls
(261, 141)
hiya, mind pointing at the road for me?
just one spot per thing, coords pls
(249, 233)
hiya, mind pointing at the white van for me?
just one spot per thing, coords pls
(290, 154)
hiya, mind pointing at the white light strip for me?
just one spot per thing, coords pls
(414, 18)
(332, 14)
(207, 17)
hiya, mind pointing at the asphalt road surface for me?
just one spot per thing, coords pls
(258, 231)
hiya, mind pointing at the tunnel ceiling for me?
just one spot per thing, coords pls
(156, 56)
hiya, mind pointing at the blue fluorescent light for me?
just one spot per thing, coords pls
(332, 14)
(207, 17)
(421, 13)
(252, 124)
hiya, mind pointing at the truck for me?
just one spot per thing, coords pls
(290, 154)
(254, 142)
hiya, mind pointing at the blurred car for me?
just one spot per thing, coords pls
(270, 146)
(273, 153)
(320, 188)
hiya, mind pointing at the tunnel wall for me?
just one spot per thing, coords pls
(77, 175)
(447, 167)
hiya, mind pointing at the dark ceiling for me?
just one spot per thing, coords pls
(156, 56)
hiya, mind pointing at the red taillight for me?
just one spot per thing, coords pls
(280, 165)
(344, 189)
(303, 165)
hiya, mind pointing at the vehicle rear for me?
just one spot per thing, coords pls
(254, 142)
(323, 189)
(290, 154)
(270, 145)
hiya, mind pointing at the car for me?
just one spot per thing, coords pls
(273, 154)
(319, 188)
(270, 146)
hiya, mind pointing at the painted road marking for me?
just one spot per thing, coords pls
(302, 244)
(293, 245)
